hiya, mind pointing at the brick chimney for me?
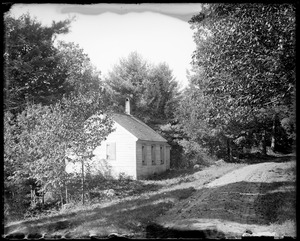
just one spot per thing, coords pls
(127, 106)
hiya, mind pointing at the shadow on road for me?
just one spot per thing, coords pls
(157, 231)
(253, 158)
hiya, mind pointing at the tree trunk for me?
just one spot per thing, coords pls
(82, 177)
(273, 132)
(32, 195)
(229, 149)
(264, 143)
(66, 189)
(61, 197)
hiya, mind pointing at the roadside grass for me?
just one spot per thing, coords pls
(138, 204)
(129, 217)
(189, 177)
(172, 174)
(285, 229)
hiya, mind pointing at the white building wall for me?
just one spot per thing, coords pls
(148, 169)
(125, 161)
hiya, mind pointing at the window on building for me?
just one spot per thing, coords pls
(153, 154)
(144, 162)
(111, 151)
(162, 155)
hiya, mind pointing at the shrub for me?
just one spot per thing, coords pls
(123, 177)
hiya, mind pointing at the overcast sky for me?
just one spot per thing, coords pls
(108, 32)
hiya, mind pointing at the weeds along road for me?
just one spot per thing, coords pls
(259, 198)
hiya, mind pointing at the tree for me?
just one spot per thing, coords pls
(153, 89)
(243, 51)
(253, 43)
(127, 79)
(31, 63)
(35, 152)
(202, 135)
(80, 73)
(87, 126)
(161, 95)
(38, 140)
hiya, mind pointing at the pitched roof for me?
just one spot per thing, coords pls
(138, 128)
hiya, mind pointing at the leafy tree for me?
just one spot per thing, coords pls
(34, 151)
(201, 136)
(80, 73)
(38, 140)
(127, 79)
(32, 70)
(255, 45)
(87, 126)
(153, 89)
(241, 69)
(161, 96)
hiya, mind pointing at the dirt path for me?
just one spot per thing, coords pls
(262, 172)
(249, 198)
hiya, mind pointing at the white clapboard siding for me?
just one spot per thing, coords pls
(125, 154)
(144, 170)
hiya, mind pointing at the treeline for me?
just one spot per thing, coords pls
(242, 89)
(241, 95)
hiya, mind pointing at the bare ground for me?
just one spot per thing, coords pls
(257, 200)
(223, 200)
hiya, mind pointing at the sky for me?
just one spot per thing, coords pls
(108, 32)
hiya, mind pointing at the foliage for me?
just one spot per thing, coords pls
(126, 79)
(37, 132)
(161, 96)
(152, 89)
(201, 135)
(85, 121)
(32, 70)
(173, 133)
(80, 73)
(38, 140)
(244, 76)
(253, 45)
(40, 70)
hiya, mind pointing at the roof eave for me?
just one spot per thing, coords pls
(141, 140)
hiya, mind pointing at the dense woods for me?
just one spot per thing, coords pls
(240, 97)
(242, 89)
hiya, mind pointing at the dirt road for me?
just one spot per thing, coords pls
(266, 172)
(259, 198)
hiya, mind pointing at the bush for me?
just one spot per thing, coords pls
(123, 177)
(39, 209)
